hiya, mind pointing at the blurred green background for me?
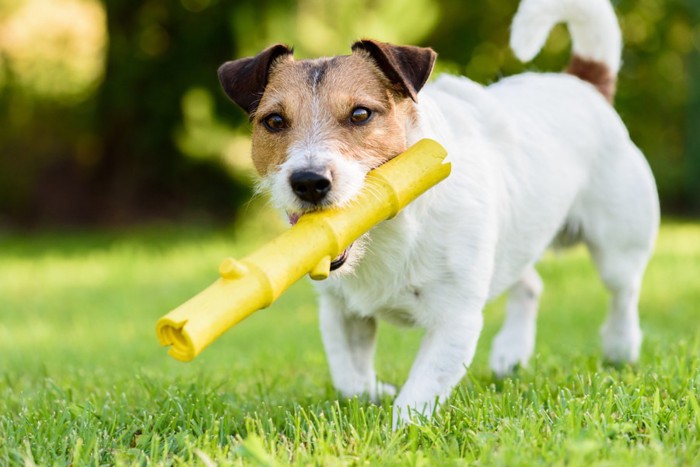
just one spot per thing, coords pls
(111, 113)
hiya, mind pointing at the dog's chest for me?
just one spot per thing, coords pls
(393, 301)
(391, 281)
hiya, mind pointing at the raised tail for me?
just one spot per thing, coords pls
(595, 34)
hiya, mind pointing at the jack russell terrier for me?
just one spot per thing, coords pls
(539, 160)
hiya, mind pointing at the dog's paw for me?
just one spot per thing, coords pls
(383, 390)
(375, 390)
(621, 344)
(404, 413)
(510, 351)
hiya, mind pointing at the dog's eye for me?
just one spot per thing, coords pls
(275, 122)
(360, 115)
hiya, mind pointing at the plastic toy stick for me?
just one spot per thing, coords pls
(308, 247)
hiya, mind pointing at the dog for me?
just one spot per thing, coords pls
(539, 160)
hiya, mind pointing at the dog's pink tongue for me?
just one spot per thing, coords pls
(293, 218)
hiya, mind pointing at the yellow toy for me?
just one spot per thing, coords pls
(256, 281)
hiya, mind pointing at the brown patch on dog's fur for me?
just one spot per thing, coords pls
(596, 73)
(316, 99)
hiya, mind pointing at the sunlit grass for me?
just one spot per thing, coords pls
(83, 380)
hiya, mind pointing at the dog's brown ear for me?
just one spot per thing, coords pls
(406, 66)
(244, 80)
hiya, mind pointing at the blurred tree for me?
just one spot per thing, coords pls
(692, 153)
(159, 49)
(654, 88)
(321, 28)
(110, 110)
(75, 154)
(51, 60)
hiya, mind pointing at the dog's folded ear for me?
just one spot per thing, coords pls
(244, 80)
(407, 67)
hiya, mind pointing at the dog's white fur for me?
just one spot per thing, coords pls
(538, 160)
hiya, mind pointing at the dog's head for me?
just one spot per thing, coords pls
(320, 125)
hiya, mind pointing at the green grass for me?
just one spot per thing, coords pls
(83, 380)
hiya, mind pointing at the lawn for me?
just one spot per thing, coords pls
(84, 381)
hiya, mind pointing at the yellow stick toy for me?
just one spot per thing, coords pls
(308, 247)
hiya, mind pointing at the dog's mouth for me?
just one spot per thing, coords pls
(338, 262)
(341, 259)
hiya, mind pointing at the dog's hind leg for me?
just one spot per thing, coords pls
(621, 271)
(515, 342)
(350, 343)
(620, 219)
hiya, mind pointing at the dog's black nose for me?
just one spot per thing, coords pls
(310, 186)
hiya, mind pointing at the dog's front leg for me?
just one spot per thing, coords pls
(447, 349)
(350, 343)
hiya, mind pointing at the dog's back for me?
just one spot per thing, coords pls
(561, 153)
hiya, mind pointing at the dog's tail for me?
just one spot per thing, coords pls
(595, 33)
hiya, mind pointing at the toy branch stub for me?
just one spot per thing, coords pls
(308, 247)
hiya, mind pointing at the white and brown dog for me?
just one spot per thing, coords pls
(538, 160)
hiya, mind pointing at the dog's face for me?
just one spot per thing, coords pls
(320, 125)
